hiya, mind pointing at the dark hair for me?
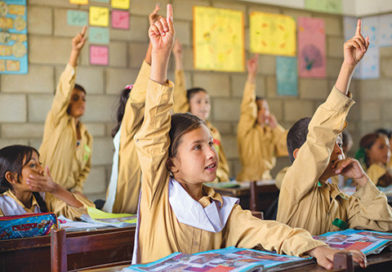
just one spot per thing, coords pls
(365, 144)
(386, 132)
(121, 109)
(181, 123)
(192, 91)
(346, 138)
(296, 136)
(12, 159)
(258, 98)
(79, 88)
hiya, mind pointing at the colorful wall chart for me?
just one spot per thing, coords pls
(287, 76)
(370, 63)
(77, 18)
(331, 6)
(79, 2)
(272, 34)
(218, 39)
(13, 37)
(120, 19)
(99, 55)
(385, 30)
(99, 16)
(120, 4)
(311, 47)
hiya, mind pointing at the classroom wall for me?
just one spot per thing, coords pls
(26, 99)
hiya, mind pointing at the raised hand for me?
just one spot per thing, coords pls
(356, 47)
(79, 40)
(154, 16)
(177, 49)
(161, 35)
(351, 168)
(252, 64)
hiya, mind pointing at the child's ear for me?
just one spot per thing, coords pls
(295, 153)
(171, 165)
(12, 178)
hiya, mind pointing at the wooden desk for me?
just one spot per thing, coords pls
(33, 254)
(267, 196)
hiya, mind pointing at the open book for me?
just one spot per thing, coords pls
(226, 259)
(369, 242)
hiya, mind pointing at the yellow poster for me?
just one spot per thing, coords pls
(120, 4)
(273, 34)
(99, 16)
(79, 2)
(218, 37)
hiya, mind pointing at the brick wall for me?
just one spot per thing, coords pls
(25, 99)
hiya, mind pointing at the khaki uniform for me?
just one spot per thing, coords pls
(308, 204)
(181, 105)
(258, 146)
(376, 171)
(68, 163)
(54, 205)
(160, 232)
(129, 173)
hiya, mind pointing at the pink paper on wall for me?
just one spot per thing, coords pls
(120, 19)
(99, 55)
(311, 47)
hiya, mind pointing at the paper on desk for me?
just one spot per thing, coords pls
(69, 225)
(119, 220)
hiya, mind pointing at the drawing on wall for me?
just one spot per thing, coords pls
(218, 39)
(311, 47)
(331, 6)
(385, 30)
(272, 34)
(287, 76)
(13, 37)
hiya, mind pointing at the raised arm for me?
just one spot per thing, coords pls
(248, 105)
(181, 103)
(67, 79)
(327, 122)
(152, 140)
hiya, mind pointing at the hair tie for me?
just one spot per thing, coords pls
(128, 87)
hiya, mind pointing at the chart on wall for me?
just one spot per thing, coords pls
(218, 39)
(311, 47)
(13, 37)
(331, 6)
(272, 34)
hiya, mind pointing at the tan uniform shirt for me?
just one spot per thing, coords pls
(129, 173)
(69, 164)
(181, 105)
(54, 205)
(376, 171)
(160, 232)
(306, 204)
(258, 146)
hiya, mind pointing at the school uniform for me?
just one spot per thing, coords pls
(375, 172)
(258, 146)
(10, 205)
(181, 105)
(68, 159)
(124, 187)
(306, 203)
(171, 220)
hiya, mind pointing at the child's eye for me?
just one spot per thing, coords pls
(32, 165)
(211, 143)
(197, 147)
(75, 98)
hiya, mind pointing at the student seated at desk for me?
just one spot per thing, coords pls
(26, 188)
(374, 154)
(388, 133)
(260, 138)
(197, 101)
(177, 155)
(307, 200)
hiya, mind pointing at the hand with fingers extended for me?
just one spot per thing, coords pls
(356, 47)
(351, 168)
(154, 16)
(324, 256)
(252, 65)
(77, 44)
(161, 35)
(42, 183)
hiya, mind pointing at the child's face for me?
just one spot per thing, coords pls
(200, 105)
(33, 167)
(380, 151)
(262, 112)
(77, 105)
(196, 160)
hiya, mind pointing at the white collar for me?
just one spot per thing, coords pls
(188, 211)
